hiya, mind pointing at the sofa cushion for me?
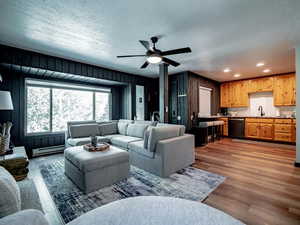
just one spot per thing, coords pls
(84, 130)
(136, 130)
(79, 141)
(72, 123)
(138, 148)
(10, 197)
(122, 128)
(111, 136)
(123, 141)
(108, 128)
(181, 127)
(161, 133)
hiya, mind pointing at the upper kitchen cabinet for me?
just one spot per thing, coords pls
(261, 85)
(235, 94)
(285, 90)
(225, 95)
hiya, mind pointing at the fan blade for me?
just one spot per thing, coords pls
(145, 44)
(124, 56)
(177, 51)
(171, 62)
(145, 65)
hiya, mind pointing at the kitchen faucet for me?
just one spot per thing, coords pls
(260, 108)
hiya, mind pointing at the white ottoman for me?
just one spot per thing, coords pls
(150, 210)
(91, 171)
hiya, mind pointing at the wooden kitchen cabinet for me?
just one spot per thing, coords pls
(259, 128)
(225, 126)
(234, 94)
(252, 130)
(283, 130)
(271, 129)
(260, 85)
(294, 130)
(225, 92)
(285, 90)
(266, 131)
(241, 94)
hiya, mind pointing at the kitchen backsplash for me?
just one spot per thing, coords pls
(264, 99)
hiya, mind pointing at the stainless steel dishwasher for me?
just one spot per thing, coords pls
(236, 127)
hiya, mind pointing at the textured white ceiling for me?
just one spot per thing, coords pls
(221, 33)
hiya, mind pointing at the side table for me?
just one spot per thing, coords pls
(16, 163)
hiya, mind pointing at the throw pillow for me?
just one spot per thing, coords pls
(84, 130)
(136, 130)
(108, 128)
(122, 128)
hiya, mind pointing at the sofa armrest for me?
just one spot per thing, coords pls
(25, 217)
(176, 153)
(66, 139)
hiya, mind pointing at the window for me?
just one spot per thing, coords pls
(38, 110)
(70, 105)
(102, 106)
(49, 106)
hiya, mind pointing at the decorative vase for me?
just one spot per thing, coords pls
(4, 144)
(94, 141)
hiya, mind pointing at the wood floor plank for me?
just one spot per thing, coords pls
(262, 185)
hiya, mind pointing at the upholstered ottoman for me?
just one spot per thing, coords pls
(91, 171)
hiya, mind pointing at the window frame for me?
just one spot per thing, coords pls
(58, 85)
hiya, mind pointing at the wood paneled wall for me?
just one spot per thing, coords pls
(178, 103)
(184, 96)
(195, 81)
(14, 82)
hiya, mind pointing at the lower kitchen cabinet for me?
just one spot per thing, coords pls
(252, 130)
(294, 130)
(283, 130)
(271, 129)
(259, 130)
(266, 131)
(225, 126)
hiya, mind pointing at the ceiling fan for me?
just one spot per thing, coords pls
(155, 55)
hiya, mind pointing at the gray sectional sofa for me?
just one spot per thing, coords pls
(161, 149)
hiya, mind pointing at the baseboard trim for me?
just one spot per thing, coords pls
(297, 164)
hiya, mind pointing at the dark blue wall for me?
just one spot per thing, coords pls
(15, 59)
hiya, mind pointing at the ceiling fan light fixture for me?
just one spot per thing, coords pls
(154, 59)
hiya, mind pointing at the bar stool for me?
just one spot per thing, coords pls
(219, 127)
(207, 128)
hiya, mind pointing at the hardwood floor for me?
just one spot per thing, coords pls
(262, 185)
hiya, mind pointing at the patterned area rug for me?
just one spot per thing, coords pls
(190, 183)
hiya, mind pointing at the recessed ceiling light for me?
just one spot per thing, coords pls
(260, 64)
(227, 70)
(237, 75)
(267, 71)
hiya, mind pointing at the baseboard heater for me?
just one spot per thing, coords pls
(47, 150)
